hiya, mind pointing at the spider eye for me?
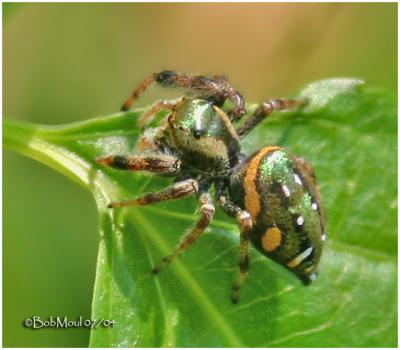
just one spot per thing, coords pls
(197, 133)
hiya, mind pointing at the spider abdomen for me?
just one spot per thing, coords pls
(280, 194)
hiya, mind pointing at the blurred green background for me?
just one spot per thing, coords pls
(69, 62)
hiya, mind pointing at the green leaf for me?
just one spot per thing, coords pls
(347, 131)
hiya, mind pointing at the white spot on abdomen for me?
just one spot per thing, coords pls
(297, 180)
(299, 258)
(286, 190)
(300, 220)
(314, 206)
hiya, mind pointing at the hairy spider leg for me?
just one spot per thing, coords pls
(148, 116)
(207, 210)
(244, 220)
(307, 167)
(218, 90)
(239, 109)
(142, 87)
(263, 110)
(158, 163)
(177, 190)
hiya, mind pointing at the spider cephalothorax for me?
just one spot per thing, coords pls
(272, 194)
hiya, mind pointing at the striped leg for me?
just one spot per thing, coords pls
(217, 89)
(245, 223)
(207, 212)
(166, 78)
(148, 116)
(142, 87)
(263, 111)
(177, 190)
(159, 163)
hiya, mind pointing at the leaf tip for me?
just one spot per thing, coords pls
(318, 94)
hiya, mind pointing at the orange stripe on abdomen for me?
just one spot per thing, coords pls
(252, 199)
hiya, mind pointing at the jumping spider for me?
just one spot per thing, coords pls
(271, 193)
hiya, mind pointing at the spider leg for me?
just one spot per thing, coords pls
(177, 190)
(244, 220)
(308, 168)
(207, 210)
(158, 163)
(148, 116)
(239, 110)
(263, 110)
(142, 87)
(217, 89)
